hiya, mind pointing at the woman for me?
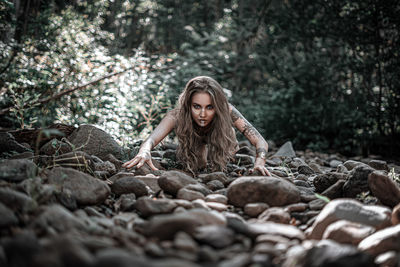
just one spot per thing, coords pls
(203, 124)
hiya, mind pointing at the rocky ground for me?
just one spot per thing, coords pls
(66, 201)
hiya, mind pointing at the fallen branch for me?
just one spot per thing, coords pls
(70, 90)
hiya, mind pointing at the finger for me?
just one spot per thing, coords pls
(140, 164)
(150, 163)
(267, 172)
(131, 163)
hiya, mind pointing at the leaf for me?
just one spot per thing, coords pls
(324, 198)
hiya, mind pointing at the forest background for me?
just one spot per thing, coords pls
(322, 74)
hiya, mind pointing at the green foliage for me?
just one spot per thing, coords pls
(322, 74)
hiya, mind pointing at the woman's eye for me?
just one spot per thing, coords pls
(196, 106)
(210, 107)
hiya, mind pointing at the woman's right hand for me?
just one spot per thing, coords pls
(141, 158)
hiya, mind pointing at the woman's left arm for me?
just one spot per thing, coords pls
(254, 137)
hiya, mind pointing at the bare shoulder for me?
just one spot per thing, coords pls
(173, 113)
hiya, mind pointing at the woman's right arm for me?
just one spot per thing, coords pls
(166, 125)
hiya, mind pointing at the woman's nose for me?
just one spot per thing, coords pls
(202, 112)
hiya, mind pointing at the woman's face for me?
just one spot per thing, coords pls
(202, 109)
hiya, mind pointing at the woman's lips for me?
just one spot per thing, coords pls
(202, 122)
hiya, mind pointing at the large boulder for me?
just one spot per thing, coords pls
(95, 141)
(86, 189)
(266, 189)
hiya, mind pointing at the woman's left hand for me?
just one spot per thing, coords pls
(259, 166)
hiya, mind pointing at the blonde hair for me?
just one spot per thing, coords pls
(220, 137)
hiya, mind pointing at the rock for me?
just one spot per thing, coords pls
(357, 181)
(246, 150)
(382, 241)
(7, 217)
(86, 189)
(120, 175)
(17, 170)
(215, 185)
(189, 195)
(237, 260)
(217, 198)
(151, 181)
(55, 147)
(305, 169)
(317, 204)
(330, 253)
(95, 141)
(172, 181)
(57, 219)
(270, 190)
(271, 228)
(17, 201)
(117, 257)
(350, 210)
(200, 204)
(324, 181)
(220, 176)
(286, 150)
(347, 232)
(166, 226)
(275, 214)
(62, 251)
(127, 185)
(315, 167)
(335, 190)
(111, 158)
(183, 203)
(217, 206)
(149, 206)
(296, 207)
(198, 188)
(396, 215)
(217, 236)
(379, 165)
(388, 259)
(78, 160)
(105, 166)
(23, 155)
(21, 249)
(183, 241)
(335, 163)
(242, 159)
(255, 209)
(126, 202)
(170, 154)
(384, 188)
(351, 164)
(9, 144)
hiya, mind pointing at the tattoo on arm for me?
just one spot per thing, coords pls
(249, 130)
(259, 150)
(235, 114)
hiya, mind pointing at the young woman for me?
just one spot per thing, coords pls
(203, 123)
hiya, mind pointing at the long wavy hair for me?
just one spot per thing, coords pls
(220, 136)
